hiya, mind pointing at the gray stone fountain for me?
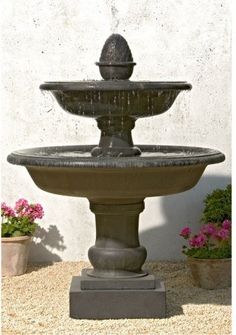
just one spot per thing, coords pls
(116, 176)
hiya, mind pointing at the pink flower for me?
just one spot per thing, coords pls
(209, 229)
(223, 234)
(39, 209)
(34, 211)
(6, 210)
(185, 232)
(198, 241)
(20, 205)
(31, 211)
(226, 224)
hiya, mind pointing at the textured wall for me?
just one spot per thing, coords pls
(61, 40)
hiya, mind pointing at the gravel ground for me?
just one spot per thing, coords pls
(37, 303)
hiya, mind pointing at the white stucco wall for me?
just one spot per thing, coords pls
(48, 40)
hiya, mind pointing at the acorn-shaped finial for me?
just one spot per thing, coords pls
(116, 61)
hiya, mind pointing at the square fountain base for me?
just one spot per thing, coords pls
(94, 298)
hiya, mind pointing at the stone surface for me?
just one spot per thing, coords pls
(92, 283)
(170, 40)
(115, 304)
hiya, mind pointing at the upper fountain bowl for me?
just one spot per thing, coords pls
(115, 98)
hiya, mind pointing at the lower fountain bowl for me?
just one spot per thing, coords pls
(160, 170)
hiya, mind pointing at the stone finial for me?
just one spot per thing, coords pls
(116, 61)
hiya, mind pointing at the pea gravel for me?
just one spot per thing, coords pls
(37, 303)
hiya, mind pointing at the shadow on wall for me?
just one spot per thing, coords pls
(45, 240)
(179, 210)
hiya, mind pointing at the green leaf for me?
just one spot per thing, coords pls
(18, 227)
(205, 253)
(17, 233)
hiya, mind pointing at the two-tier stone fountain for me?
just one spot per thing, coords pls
(116, 176)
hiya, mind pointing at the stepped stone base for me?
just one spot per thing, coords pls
(95, 298)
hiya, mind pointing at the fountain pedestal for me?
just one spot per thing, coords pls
(117, 287)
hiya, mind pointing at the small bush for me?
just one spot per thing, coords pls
(217, 206)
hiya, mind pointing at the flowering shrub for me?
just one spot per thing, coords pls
(214, 237)
(212, 241)
(20, 220)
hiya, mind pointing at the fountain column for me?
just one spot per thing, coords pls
(117, 252)
(116, 138)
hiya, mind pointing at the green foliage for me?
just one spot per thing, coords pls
(207, 253)
(18, 227)
(217, 205)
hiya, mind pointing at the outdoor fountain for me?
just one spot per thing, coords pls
(116, 177)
